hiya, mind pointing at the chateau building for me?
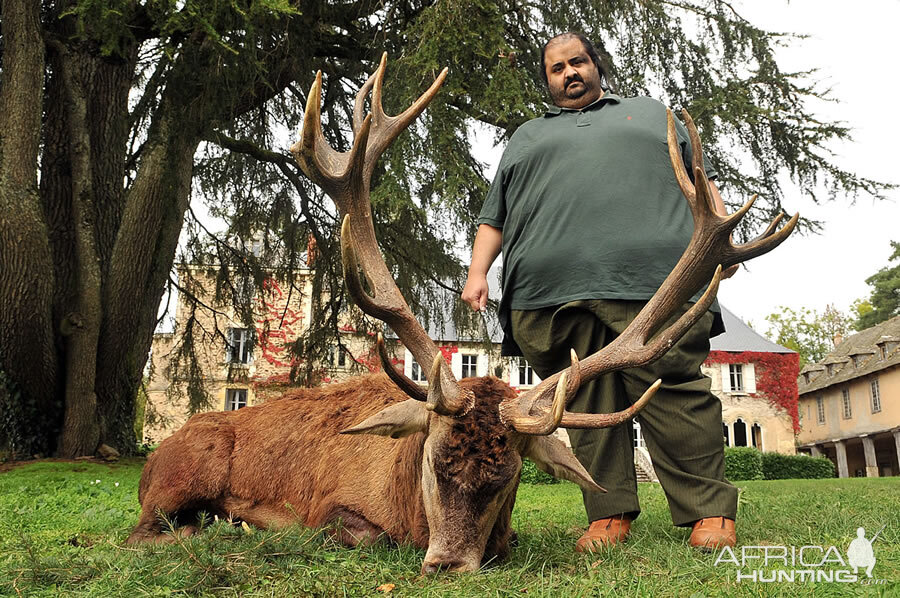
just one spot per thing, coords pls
(850, 403)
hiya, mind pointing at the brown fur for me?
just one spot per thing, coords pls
(284, 461)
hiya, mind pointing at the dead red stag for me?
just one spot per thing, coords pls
(383, 456)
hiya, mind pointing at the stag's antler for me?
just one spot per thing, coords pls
(346, 177)
(709, 250)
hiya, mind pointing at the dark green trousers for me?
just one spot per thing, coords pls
(682, 423)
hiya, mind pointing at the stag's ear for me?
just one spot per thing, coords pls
(396, 421)
(552, 456)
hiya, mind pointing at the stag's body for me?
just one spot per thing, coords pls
(284, 462)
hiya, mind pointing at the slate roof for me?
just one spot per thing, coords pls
(739, 337)
(866, 346)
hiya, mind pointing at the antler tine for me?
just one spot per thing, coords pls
(766, 241)
(359, 105)
(412, 389)
(566, 386)
(439, 401)
(387, 128)
(313, 152)
(681, 174)
(608, 420)
(709, 251)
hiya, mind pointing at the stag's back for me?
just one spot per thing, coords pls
(285, 460)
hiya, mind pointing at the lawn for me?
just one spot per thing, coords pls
(63, 524)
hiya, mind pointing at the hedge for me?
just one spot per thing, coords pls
(532, 475)
(743, 463)
(787, 467)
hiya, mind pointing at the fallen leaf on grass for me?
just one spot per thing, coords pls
(386, 587)
(246, 527)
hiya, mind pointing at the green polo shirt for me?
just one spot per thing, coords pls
(589, 206)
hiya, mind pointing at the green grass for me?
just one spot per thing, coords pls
(62, 533)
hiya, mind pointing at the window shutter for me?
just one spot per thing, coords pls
(456, 365)
(407, 363)
(513, 371)
(481, 365)
(228, 339)
(535, 378)
(726, 378)
(750, 378)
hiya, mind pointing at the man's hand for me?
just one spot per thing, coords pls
(484, 251)
(475, 293)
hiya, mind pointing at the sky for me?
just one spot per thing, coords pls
(855, 48)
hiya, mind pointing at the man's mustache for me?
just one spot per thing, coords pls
(572, 79)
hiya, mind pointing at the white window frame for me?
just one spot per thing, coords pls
(820, 410)
(875, 393)
(244, 351)
(846, 404)
(235, 398)
(412, 369)
(468, 363)
(736, 377)
(748, 377)
(639, 441)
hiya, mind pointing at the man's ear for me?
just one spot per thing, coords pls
(552, 456)
(396, 421)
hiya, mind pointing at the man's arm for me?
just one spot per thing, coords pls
(485, 250)
(720, 209)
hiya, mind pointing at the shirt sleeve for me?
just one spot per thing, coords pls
(493, 212)
(687, 153)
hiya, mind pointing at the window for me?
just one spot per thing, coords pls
(238, 349)
(876, 396)
(845, 401)
(416, 373)
(820, 410)
(740, 433)
(736, 376)
(756, 436)
(526, 374)
(235, 398)
(338, 357)
(469, 365)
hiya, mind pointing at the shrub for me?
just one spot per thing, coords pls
(786, 467)
(532, 475)
(743, 463)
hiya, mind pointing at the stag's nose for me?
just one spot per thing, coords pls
(436, 566)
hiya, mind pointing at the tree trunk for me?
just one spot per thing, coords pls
(28, 361)
(81, 427)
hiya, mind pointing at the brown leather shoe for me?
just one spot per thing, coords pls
(712, 533)
(604, 532)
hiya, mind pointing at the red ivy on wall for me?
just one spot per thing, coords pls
(776, 377)
(273, 332)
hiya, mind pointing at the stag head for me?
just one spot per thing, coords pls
(477, 430)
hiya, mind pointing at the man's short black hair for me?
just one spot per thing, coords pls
(588, 47)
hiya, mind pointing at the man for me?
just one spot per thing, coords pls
(590, 219)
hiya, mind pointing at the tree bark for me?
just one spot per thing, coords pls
(81, 427)
(27, 353)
